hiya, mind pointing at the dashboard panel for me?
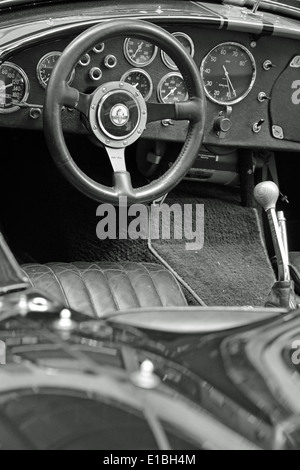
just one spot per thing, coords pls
(239, 71)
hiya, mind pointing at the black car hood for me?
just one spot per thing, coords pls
(220, 380)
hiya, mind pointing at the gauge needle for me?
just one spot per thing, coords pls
(229, 81)
(228, 86)
(6, 86)
(135, 85)
(138, 49)
(171, 92)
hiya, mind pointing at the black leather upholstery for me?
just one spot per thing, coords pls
(98, 288)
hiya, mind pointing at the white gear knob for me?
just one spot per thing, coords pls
(266, 194)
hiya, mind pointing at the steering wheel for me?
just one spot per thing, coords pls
(117, 114)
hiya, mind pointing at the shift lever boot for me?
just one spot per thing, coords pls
(283, 295)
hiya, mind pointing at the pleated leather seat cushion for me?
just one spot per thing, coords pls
(99, 288)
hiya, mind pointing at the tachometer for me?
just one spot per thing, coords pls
(228, 72)
(139, 52)
(141, 80)
(14, 87)
(186, 42)
(172, 88)
(46, 66)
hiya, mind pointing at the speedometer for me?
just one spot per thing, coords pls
(14, 87)
(139, 52)
(228, 73)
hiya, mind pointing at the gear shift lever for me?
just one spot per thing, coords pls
(267, 194)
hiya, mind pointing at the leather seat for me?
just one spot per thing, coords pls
(99, 288)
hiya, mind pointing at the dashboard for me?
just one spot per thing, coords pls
(239, 70)
(220, 86)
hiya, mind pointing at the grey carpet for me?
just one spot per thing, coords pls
(232, 268)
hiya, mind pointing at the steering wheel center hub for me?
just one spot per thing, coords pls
(118, 114)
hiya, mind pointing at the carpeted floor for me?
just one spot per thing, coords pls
(232, 268)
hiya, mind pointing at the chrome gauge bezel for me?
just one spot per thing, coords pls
(165, 57)
(38, 68)
(162, 80)
(249, 54)
(132, 62)
(12, 109)
(143, 72)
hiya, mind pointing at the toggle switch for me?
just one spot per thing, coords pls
(267, 65)
(261, 97)
(257, 126)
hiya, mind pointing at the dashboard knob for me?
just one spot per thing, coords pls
(95, 74)
(110, 61)
(222, 124)
(85, 60)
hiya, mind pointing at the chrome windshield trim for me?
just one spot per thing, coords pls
(17, 37)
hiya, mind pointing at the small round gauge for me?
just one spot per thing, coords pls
(228, 73)
(186, 42)
(46, 66)
(141, 80)
(139, 52)
(14, 87)
(172, 88)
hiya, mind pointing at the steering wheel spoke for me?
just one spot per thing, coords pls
(117, 159)
(158, 112)
(190, 110)
(184, 110)
(74, 99)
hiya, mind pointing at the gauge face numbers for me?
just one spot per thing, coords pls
(172, 88)
(228, 73)
(186, 42)
(140, 80)
(139, 52)
(45, 67)
(14, 87)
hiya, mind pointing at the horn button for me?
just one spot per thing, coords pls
(118, 114)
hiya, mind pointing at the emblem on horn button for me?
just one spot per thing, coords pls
(119, 114)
